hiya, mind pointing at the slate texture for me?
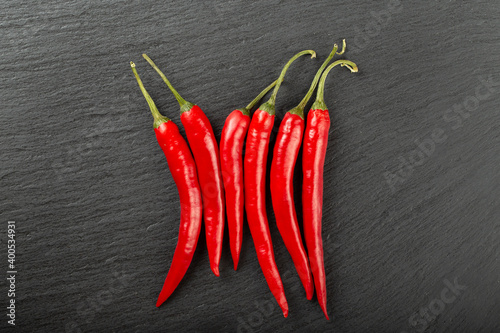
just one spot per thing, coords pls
(96, 209)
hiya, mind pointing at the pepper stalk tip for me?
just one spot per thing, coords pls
(343, 47)
(182, 102)
(352, 68)
(299, 109)
(321, 87)
(272, 99)
(158, 117)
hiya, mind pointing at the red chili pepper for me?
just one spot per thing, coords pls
(202, 141)
(285, 154)
(231, 149)
(255, 193)
(313, 160)
(183, 169)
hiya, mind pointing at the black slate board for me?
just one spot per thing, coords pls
(96, 209)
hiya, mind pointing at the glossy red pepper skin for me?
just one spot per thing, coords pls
(255, 161)
(285, 155)
(313, 159)
(183, 170)
(202, 141)
(231, 149)
(286, 150)
(254, 171)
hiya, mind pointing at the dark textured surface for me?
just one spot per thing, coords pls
(97, 210)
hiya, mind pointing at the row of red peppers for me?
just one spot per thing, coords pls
(202, 180)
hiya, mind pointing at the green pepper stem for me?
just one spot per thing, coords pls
(321, 87)
(272, 99)
(158, 117)
(343, 47)
(306, 98)
(181, 100)
(259, 96)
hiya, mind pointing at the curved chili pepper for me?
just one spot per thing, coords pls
(202, 141)
(255, 193)
(313, 160)
(231, 149)
(285, 154)
(183, 169)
